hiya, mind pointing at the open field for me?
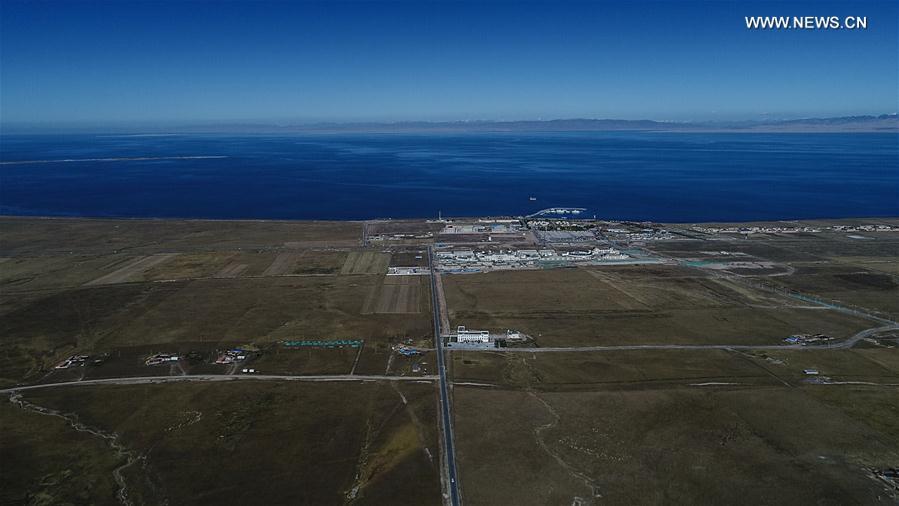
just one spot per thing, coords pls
(832, 265)
(676, 426)
(365, 262)
(133, 270)
(650, 426)
(613, 369)
(397, 294)
(409, 258)
(403, 227)
(232, 270)
(256, 311)
(633, 305)
(109, 286)
(53, 463)
(50, 236)
(49, 273)
(868, 288)
(712, 445)
(647, 369)
(279, 360)
(363, 443)
(379, 359)
(282, 263)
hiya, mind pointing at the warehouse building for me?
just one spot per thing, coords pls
(471, 336)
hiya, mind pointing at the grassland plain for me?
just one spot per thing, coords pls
(617, 427)
(415, 257)
(676, 426)
(397, 294)
(633, 305)
(47, 462)
(645, 369)
(50, 236)
(257, 311)
(259, 443)
(853, 268)
(366, 262)
(114, 286)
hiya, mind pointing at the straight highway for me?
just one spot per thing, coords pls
(449, 449)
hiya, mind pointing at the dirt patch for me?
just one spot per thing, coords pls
(132, 270)
(232, 270)
(365, 262)
(283, 263)
(397, 294)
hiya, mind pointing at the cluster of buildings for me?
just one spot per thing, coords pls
(400, 237)
(73, 361)
(756, 230)
(406, 351)
(724, 253)
(557, 224)
(795, 229)
(644, 234)
(319, 343)
(805, 339)
(468, 336)
(231, 356)
(565, 236)
(161, 358)
(510, 259)
(408, 271)
(82, 360)
(864, 228)
(484, 227)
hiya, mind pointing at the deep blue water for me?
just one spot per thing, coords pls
(639, 176)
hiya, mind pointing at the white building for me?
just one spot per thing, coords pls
(471, 336)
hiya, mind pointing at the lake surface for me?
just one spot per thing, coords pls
(668, 177)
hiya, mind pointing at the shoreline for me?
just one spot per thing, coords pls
(422, 219)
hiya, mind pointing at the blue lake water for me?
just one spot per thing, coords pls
(672, 177)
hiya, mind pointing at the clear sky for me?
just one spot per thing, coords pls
(176, 62)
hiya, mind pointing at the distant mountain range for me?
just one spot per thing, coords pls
(882, 123)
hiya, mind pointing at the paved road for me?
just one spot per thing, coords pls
(444, 393)
(444, 326)
(844, 344)
(143, 380)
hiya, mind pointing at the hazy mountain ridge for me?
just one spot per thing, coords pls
(884, 122)
(867, 123)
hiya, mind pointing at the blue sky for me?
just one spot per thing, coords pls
(177, 62)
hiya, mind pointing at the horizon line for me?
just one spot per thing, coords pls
(887, 122)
